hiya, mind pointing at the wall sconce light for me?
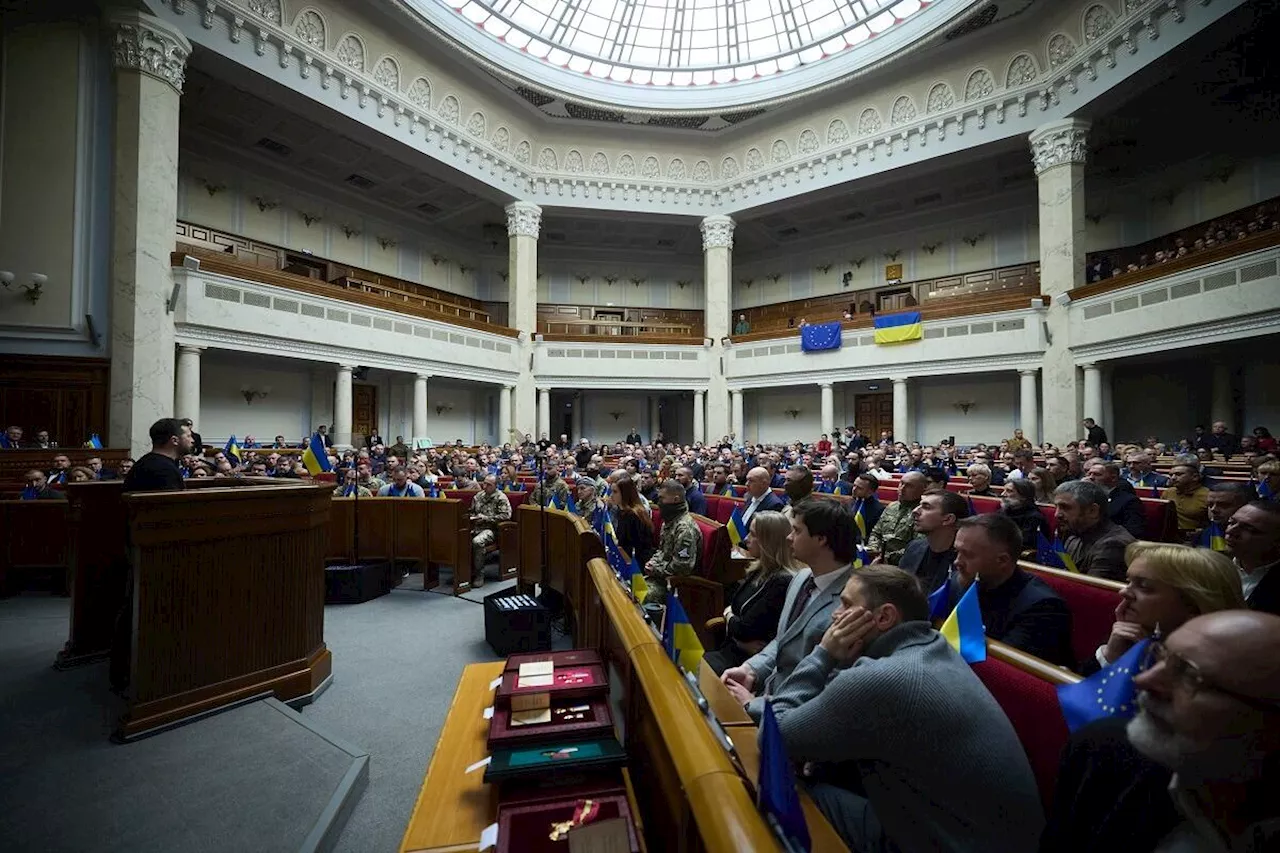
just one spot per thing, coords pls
(893, 254)
(34, 290)
(857, 263)
(350, 231)
(264, 205)
(747, 281)
(964, 405)
(931, 247)
(637, 281)
(251, 394)
(794, 413)
(609, 280)
(212, 187)
(463, 268)
(823, 268)
(505, 276)
(974, 239)
(309, 218)
(436, 259)
(617, 414)
(846, 279)
(386, 242)
(443, 407)
(775, 277)
(582, 278)
(683, 283)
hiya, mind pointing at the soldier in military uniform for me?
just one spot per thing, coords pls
(588, 497)
(488, 509)
(678, 546)
(350, 488)
(551, 486)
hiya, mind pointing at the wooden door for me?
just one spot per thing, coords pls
(364, 409)
(874, 413)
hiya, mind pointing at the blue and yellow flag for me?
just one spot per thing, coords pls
(639, 586)
(1213, 537)
(963, 628)
(899, 328)
(776, 792)
(861, 557)
(232, 450)
(940, 601)
(315, 457)
(860, 518)
(1108, 693)
(570, 504)
(95, 442)
(738, 529)
(679, 638)
(1053, 554)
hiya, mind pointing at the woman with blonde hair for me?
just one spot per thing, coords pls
(1167, 585)
(751, 619)
(1269, 480)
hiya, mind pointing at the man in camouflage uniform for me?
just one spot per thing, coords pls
(488, 508)
(366, 478)
(551, 486)
(896, 528)
(588, 498)
(350, 488)
(678, 546)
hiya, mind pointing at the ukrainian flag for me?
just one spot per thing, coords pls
(963, 628)
(315, 457)
(232, 450)
(1213, 537)
(639, 587)
(861, 558)
(570, 504)
(860, 519)
(899, 328)
(95, 442)
(738, 529)
(679, 638)
(1054, 555)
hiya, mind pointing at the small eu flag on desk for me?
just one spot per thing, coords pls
(1108, 693)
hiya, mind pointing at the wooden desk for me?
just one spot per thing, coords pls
(727, 710)
(746, 742)
(454, 806)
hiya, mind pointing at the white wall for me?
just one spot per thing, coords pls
(765, 418)
(598, 425)
(993, 417)
(1261, 386)
(286, 410)
(473, 417)
(1164, 400)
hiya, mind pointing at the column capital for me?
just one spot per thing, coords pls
(1059, 143)
(193, 349)
(346, 368)
(1089, 365)
(524, 218)
(148, 45)
(699, 392)
(899, 380)
(824, 384)
(717, 232)
(1030, 371)
(507, 388)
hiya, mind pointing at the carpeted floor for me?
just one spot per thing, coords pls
(235, 781)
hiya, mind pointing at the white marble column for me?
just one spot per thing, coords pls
(575, 417)
(524, 220)
(1058, 152)
(738, 420)
(828, 409)
(504, 415)
(150, 58)
(699, 416)
(544, 413)
(900, 412)
(1092, 393)
(420, 428)
(322, 397)
(1029, 415)
(717, 262)
(1221, 399)
(655, 416)
(186, 398)
(342, 407)
(1108, 402)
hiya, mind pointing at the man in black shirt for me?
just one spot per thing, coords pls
(1017, 607)
(158, 471)
(930, 558)
(1094, 434)
(197, 444)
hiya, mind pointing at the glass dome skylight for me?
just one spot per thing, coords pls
(680, 43)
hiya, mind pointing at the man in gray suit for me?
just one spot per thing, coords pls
(823, 537)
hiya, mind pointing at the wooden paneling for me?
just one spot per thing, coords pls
(14, 464)
(33, 536)
(874, 413)
(364, 409)
(66, 396)
(428, 532)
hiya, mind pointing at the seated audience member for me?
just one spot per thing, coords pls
(126, 465)
(61, 470)
(937, 480)
(1095, 542)
(679, 543)
(37, 488)
(877, 467)
(823, 538)
(1024, 462)
(1253, 541)
(1017, 607)
(632, 520)
(720, 482)
(1140, 474)
(759, 496)
(1269, 480)
(798, 484)
(349, 488)
(1123, 506)
(1165, 586)
(824, 445)
(751, 619)
(1214, 724)
(874, 706)
(693, 495)
(1018, 503)
(99, 473)
(890, 535)
(979, 480)
(80, 474)
(1189, 495)
(400, 487)
(1224, 499)
(1019, 441)
(43, 441)
(12, 438)
(929, 557)
(1265, 441)
(831, 484)
(1044, 483)
(865, 507)
(1220, 441)
(488, 509)
(587, 498)
(552, 487)
(200, 472)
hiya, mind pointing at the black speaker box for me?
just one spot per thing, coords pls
(516, 623)
(352, 583)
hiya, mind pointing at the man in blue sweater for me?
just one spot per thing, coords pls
(892, 712)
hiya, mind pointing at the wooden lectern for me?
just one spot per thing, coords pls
(228, 597)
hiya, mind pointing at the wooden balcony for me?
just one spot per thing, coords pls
(619, 324)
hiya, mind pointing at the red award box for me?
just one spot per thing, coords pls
(571, 719)
(527, 824)
(569, 657)
(572, 682)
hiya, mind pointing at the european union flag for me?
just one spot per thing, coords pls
(820, 336)
(679, 638)
(433, 491)
(963, 628)
(598, 518)
(1108, 693)
(1053, 554)
(777, 796)
(738, 529)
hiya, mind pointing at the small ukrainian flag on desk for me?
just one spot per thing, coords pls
(963, 629)
(738, 529)
(899, 328)
(315, 457)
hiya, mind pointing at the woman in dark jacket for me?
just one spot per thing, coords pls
(632, 523)
(751, 620)
(1019, 503)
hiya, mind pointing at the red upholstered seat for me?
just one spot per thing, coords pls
(887, 494)
(325, 477)
(1092, 605)
(708, 560)
(1162, 520)
(958, 486)
(720, 507)
(1031, 704)
(463, 495)
(1050, 514)
(984, 504)
(516, 498)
